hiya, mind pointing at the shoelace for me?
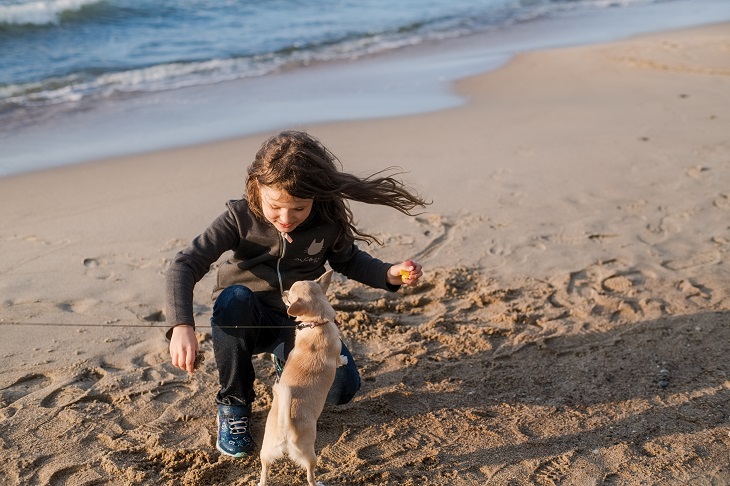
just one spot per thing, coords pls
(238, 426)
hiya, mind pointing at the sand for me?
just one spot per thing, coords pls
(571, 328)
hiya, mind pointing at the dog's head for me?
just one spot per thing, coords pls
(306, 300)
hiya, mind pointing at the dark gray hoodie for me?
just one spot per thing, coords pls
(264, 261)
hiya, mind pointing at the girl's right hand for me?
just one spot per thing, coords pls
(183, 347)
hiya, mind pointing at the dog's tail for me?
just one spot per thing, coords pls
(284, 394)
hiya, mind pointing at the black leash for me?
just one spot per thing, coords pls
(131, 325)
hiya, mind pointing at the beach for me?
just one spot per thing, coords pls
(571, 326)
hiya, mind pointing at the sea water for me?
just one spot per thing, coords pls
(84, 79)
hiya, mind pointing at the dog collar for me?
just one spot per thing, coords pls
(305, 325)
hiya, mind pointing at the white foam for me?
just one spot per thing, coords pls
(154, 78)
(40, 12)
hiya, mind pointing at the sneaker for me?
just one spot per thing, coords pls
(278, 365)
(234, 434)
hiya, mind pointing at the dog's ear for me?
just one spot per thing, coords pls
(324, 280)
(296, 308)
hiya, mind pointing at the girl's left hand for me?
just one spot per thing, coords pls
(406, 273)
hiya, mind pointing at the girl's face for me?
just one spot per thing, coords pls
(282, 210)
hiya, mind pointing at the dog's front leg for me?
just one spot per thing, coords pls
(264, 473)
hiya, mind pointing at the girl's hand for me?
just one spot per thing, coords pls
(183, 347)
(406, 273)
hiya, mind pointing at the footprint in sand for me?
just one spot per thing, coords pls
(697, 171)
(149, 407)
(81, 306)
(704, 258)
(95, 269)
(671, 224)
(722, 201)
(22, 387)
(63, 474)
(552, 471)
(152, 355)
(72, 390)
(567, 238)
(406, 446)
(617, 283)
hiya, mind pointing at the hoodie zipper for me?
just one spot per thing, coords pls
(284, 239)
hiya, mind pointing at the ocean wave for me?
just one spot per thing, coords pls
(77, 87)
(174, 75)
(94, 81)
(40, 12)
(91, 84)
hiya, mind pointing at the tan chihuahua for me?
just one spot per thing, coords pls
(299, 396)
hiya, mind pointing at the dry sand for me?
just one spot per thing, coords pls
(576, 256)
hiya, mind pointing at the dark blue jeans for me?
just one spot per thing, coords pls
(262, 330)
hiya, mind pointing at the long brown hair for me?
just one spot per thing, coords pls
(301, 165)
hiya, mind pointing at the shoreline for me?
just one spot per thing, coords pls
(572, 321)
(407, 81)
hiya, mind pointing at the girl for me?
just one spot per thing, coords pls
(294, 219)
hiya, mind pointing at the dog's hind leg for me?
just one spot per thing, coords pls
(310, 475)
(308, 459)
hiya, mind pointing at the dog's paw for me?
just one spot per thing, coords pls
(343, 360)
